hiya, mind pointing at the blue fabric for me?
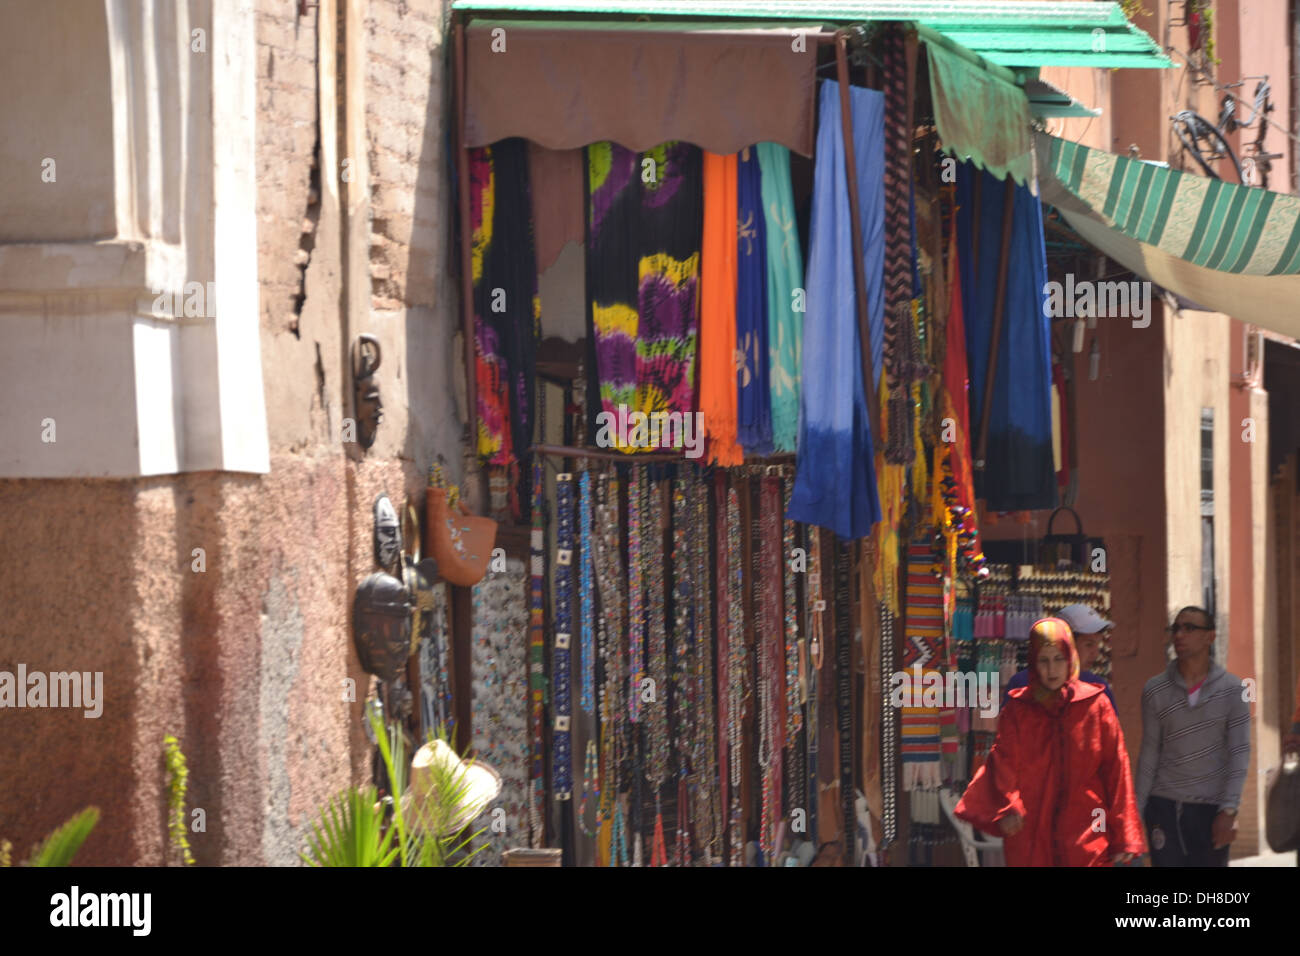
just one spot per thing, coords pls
(753, 396)
(1021, 679)
(835, 479)
(1019, 475)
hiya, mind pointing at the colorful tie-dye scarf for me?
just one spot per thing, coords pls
(507, 310)
(784, 276)
(643, 261)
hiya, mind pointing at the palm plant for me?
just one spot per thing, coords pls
(351, 832)
(423, 832)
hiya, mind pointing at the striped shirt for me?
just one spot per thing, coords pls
(1194, 753)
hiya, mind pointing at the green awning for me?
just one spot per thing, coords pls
(1231, 248)
(1015, 34)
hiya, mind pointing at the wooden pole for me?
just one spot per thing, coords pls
(466, 240)
(999, 302)
(859, 270)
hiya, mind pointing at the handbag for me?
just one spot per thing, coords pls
(1282, 817)
(1064, 550)
(461, 542)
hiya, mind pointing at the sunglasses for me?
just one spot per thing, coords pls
(1186, 628)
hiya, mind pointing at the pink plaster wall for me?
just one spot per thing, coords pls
(245, 661)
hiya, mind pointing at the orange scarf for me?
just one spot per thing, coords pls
(718, 309)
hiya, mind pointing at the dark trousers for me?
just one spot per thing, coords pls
(1179, 834)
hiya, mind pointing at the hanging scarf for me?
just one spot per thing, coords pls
(507, 310)
(754, 398)
(956, 394)
(1019, 474)
(643, 258)
(1052, 632)
(718, 310)
(784, 276)
(835, 482)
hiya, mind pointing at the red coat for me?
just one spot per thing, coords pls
(1057, 772)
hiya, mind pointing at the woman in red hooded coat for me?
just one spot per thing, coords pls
(1056, 784)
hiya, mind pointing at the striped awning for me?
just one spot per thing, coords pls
(1231, 248)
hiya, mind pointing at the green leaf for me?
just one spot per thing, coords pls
(350, 832)
(62, 845)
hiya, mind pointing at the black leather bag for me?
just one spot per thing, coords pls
(1064, 550)
(1283, 808)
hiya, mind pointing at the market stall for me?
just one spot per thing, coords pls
(747, 352)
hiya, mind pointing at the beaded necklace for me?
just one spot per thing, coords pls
(611, 626)
(735, 666)
(536, 650)
(793, 644)
(844, 701)
(723, 628)
(618, 837)
(704, 757)
(635, 610)
(685, 699)
(657, 724)
(888, 730)
(816, 607)
(590, 784)
(795, 663)
(657, 663)
(585, 597)
(561, 742)
(771, 688)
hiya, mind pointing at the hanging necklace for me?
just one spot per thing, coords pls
(772, 727)
(611, 627)
(793, 675)
(536, 649)
(590, 785)
(562, 757)
(704, 758)
(844, 703)
(735, 666)
(795, 666)
(685, 699)
(618, 838)
(587, 604)
(635, 611)
(657, 642)
(816, 612)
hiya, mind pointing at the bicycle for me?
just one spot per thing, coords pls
(1205, 142)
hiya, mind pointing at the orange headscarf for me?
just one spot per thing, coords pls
(1047, 632)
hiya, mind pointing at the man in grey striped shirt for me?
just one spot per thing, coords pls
(1195, 750)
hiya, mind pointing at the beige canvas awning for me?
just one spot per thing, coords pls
(1234, 249)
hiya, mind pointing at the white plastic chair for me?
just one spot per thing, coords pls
(972, 842)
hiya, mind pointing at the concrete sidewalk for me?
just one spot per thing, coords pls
(1266, 859)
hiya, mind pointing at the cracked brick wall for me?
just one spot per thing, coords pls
(404, 89)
